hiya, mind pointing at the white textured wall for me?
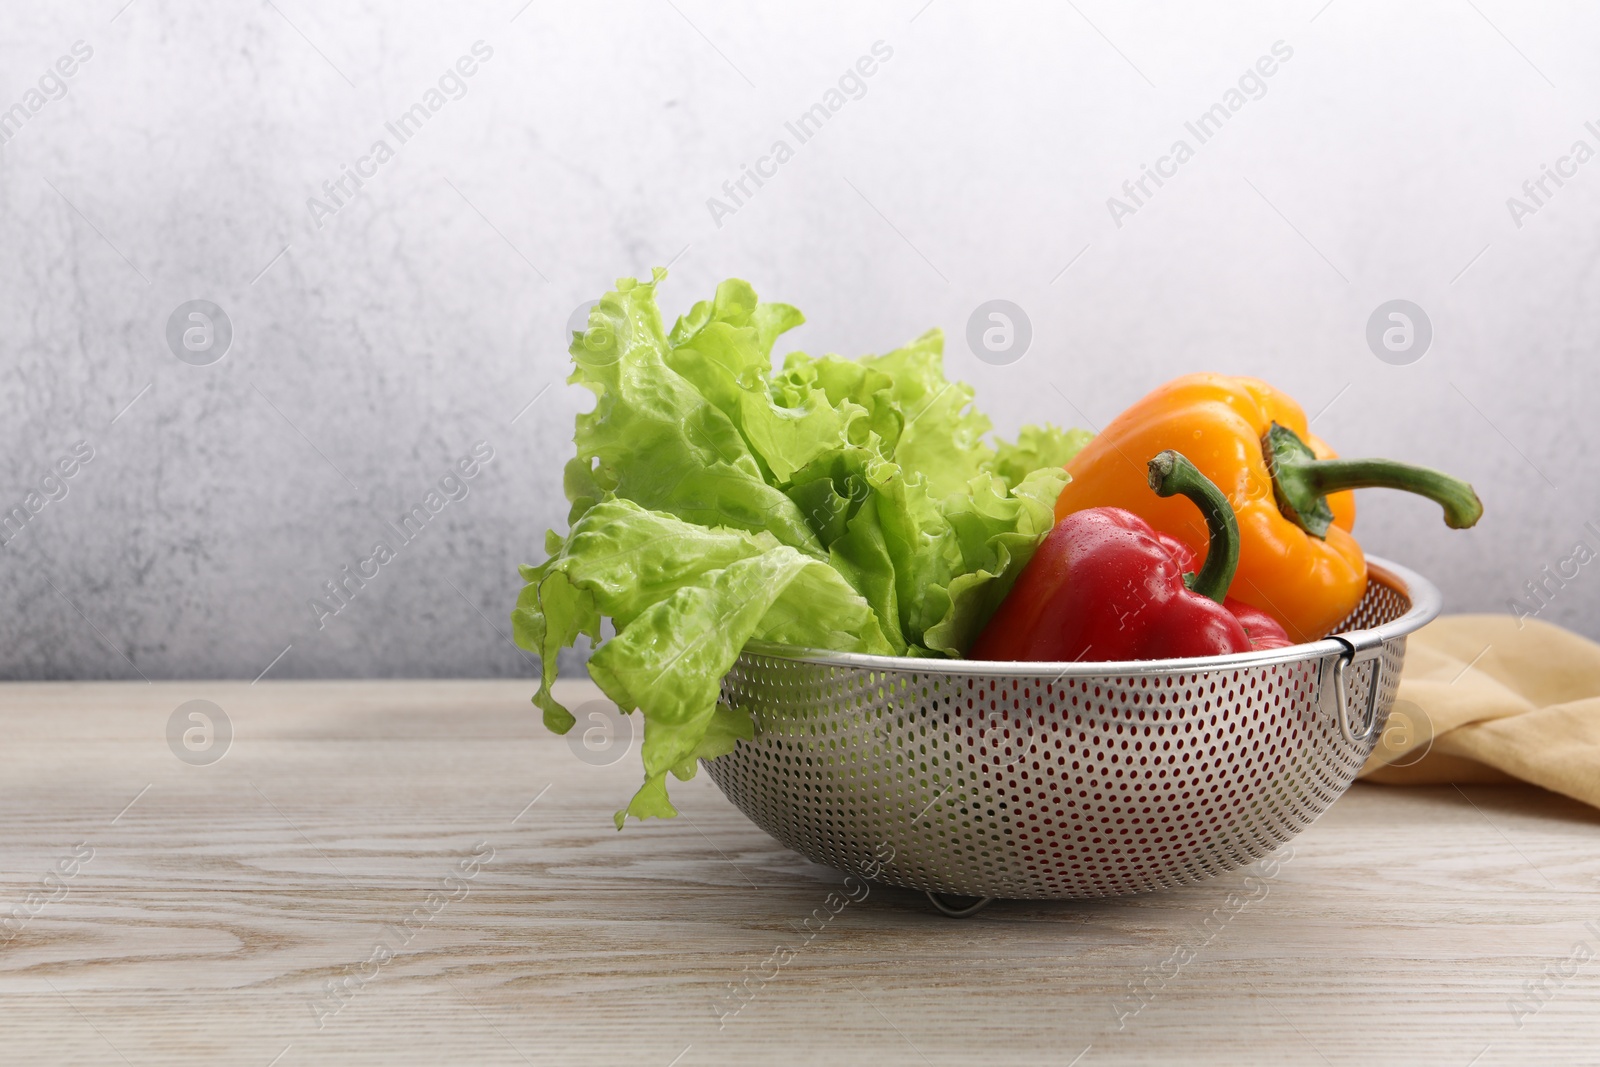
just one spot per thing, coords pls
(421, 317)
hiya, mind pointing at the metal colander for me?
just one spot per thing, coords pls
(1058, 780)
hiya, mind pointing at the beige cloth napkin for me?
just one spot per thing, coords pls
(1492, 698)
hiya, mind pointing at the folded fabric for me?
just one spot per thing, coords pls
(1494, 698)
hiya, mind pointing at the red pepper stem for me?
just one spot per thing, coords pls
(1171, 474)
(1301, 483)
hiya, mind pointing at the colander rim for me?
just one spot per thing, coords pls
(1426, 603)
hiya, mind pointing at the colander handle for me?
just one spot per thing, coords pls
(1360, 646)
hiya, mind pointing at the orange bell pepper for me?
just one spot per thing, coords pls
(1291, 494)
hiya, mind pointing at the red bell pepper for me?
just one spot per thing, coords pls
(1104, 586)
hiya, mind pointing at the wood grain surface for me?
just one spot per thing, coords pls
(427, 852)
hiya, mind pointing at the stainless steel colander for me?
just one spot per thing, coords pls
(1057, 780)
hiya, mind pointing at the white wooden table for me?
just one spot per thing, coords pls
(198, 914)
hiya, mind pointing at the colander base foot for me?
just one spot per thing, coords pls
(941, 901)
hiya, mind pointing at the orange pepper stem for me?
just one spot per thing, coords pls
(1171, 474)
(1301, 482)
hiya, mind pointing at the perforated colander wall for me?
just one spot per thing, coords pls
(1046, 786)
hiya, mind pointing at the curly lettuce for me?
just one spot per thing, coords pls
(852, 505)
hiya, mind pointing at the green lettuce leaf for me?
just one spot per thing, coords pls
(943, 435)
(685, 599)
(656, 439)
(1036, 447)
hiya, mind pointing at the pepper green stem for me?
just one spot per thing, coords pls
(1171, 474)
(1301, 483)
